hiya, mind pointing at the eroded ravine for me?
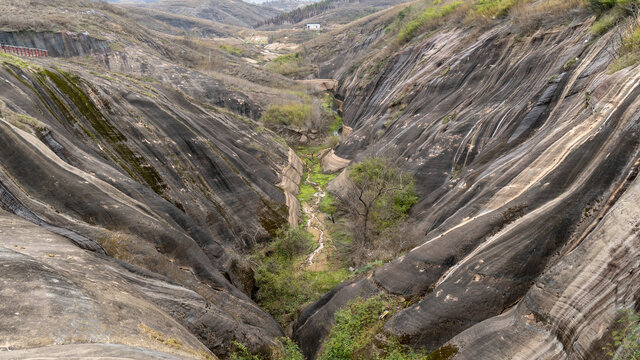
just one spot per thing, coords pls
(318, 259)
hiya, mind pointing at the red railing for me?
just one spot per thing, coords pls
(23, 51)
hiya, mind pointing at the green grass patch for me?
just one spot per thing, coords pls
(283, 286)
(369, 266)
(231, 49)
(492, 9)
(287, 114)
(606, 21)
(321, 179)
(417, 25)
(448, 118)
(306, 192)
(292, 65)
(16, 61)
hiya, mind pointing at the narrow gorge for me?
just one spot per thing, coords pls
(420, 180)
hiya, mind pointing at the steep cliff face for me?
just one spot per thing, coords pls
(175, 190)
(59, 44)
(525, 152)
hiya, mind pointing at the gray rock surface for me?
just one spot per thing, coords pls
(175, 190)
(518, 170)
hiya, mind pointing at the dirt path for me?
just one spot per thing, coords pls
(318, 260)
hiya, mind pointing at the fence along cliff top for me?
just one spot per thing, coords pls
(23, 51)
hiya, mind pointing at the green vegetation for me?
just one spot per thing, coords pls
(16, 61)
(306, 192)
(297, 15)
(369, 215)
(491, 9)
(382, 196)
(316, 176)
(606, 21)
(448, 118)
(283, 287)
(287, 114)
(285, 350)
(327, 105)
(569, 64)
(629, 50)
(242, 353)
(356, 327)
(626, 337)
(418, 25)
(328, 206)
(72, 87)
(288, 351)
(629, 53)
(292, 65)
(231, 49)
(612, 12)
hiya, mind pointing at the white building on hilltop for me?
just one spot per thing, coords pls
(313, 27)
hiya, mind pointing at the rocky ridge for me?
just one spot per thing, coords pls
(522, 159)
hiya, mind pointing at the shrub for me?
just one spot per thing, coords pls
(626, 338)
(293, 242)
(629, 50)
(287, 114)
(288, 351)
(283, 289)
(630, 42)
(602, 5)
(356, 326)
(242, 353)
(327, 205)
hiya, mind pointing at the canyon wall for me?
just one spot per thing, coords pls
(524, 149)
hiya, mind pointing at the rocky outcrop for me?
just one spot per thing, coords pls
(521, 159)
(332, 162)
(290, 184)
(59, 44)
(172, 192)
(91, 299)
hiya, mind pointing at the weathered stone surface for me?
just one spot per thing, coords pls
(78, 297)
(170, 189)
(59, 44)
(514, 171)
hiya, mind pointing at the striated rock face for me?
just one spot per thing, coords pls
(171, 189)
(526, 162)
(59, 44)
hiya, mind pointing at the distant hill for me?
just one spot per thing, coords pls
(231, 12)
(329, 11)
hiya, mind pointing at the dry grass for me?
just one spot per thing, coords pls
(529, 15)
(55, 15)
(158, 336)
